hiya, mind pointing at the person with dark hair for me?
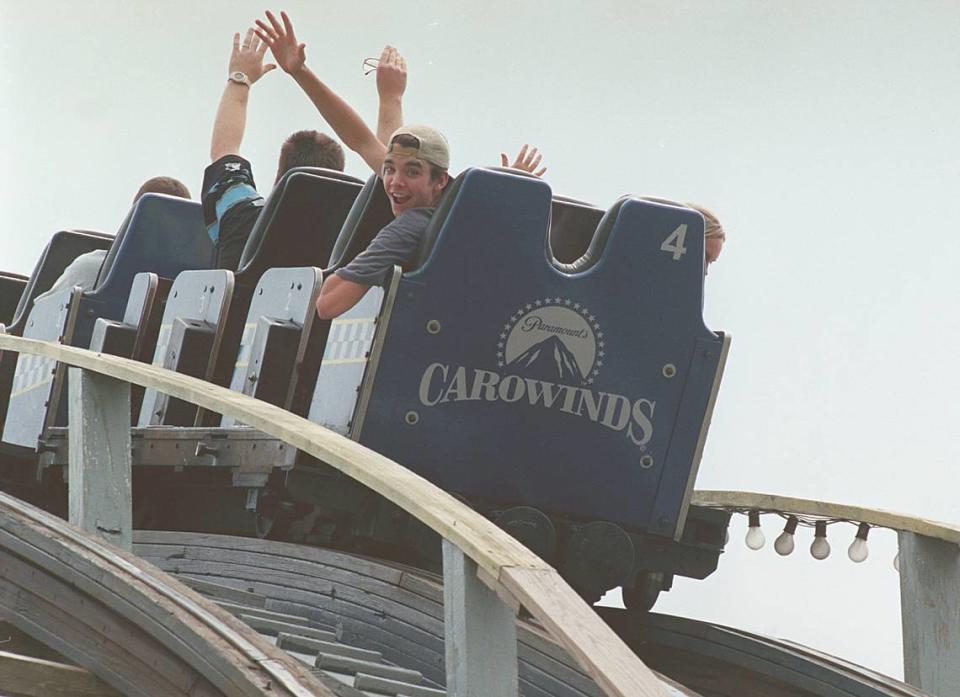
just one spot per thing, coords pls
(231, 203)
(83, 270)
(309, 149)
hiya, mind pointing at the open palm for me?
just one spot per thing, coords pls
(247, 57)
(290, 55)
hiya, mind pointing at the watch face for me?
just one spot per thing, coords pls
(239, 77)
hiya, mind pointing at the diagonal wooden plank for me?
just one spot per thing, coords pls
(614, 667)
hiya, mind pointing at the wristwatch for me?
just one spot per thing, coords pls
(239, 77)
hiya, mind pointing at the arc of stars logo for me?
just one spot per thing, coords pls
(555, 339)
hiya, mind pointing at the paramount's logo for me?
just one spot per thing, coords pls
(549, 353)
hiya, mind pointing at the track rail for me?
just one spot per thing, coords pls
(509, 568)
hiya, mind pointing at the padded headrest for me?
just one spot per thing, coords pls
(161, 234)
(293, 228)
(322, 172)
(597, 244)
(439, 217)
(370, 213)
(513, 170)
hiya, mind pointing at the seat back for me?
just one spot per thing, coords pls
(299, 223)
(369, 214)
(162, 234)
(269, 363)
(351, 351)
(63, 248)
(327, 379)
(30, 405)
(11, 288)
(585, 394)
(189, 338)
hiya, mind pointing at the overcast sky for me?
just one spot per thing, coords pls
(823, 134)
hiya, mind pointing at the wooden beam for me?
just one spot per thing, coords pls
(480, 633)
(748, 500)
(99, 489)
(930, 612)
(551, 601)
(35, 677)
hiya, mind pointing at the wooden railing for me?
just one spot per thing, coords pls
(929, 564)
(487, 573)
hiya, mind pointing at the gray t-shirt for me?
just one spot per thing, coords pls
(394, 244)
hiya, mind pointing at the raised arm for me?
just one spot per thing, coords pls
(292, 57)
(231, 119)
(391, 84)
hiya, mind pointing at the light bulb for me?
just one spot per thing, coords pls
(858, 549)
(755, 539)
(896, 562)
(820, 549)
(785, 543)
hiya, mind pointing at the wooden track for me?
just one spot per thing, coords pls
(514, 571)
(387, 608)
(134, 627)
(395, 614)
(750, 501)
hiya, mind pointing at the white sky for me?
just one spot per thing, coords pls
(822, 133)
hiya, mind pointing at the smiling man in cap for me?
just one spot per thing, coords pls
(414, 176)
(413, 165)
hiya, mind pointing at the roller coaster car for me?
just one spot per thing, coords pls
(567, 400)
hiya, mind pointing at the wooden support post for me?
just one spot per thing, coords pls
(480, 632)
(100, 497)
(930, 611)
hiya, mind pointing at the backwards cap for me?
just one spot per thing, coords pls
(432, 145)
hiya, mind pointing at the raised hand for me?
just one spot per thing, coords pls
(525, 160)
(247, 57)
(290, 55)
(391, 74)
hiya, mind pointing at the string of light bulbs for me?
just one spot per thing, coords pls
(820, 549)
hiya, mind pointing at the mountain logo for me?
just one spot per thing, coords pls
(552, 339)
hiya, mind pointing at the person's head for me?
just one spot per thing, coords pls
(163, 185)
(309, 149)
(415, 167)
(713, 235)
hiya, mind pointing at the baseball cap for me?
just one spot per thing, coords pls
(432, 145)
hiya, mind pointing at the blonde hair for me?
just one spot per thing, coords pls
(713, 229)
